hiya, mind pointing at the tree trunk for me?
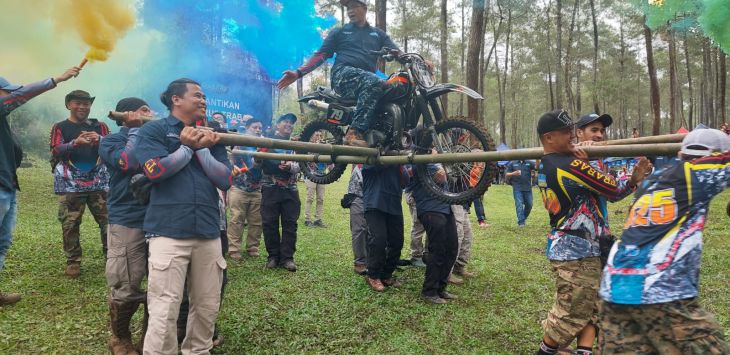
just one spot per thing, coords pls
(623, 106)
(549, 61)
(568, 77)
(381, 8)
(654, 85)
(559, 56)
(300, 93)
(723, 86)
(673, 87)
(594, 88)
(463, 52)
(503, 110)
(444, 53)
(472, 56)
(689, 81)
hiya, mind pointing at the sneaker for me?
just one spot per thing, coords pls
(392, 282)
(375, 284)
(307, 223)
(520, 226)
(319, 223)
(434, 299)
(448, 296)
(290, 265)
(483, 224)
(354, 138)
(453, 279)
(7, 299)
(235, 256)
(418, 262)
(73, 270)
(361, 269)
(272, 264)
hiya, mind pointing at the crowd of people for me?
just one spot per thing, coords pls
(161, 192)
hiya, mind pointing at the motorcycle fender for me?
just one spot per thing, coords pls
(440, 89)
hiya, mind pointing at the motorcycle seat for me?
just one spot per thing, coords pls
(331, 95)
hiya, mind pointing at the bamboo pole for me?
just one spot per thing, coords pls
(664, 138)
(121, 116)
(320, 148)
(234, 139)
(627, 150)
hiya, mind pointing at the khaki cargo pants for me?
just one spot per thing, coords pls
(126, 264)
(171, 261)
(245, 209)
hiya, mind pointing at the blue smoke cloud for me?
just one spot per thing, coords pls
(235, 48)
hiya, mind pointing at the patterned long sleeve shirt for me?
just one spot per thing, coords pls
(570, 190)
(657, 258)
(10, 153)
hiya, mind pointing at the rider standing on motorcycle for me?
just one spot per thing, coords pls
(353, 75)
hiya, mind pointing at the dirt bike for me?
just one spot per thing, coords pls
(409, 119)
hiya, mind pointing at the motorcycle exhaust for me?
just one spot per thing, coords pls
(319, 105)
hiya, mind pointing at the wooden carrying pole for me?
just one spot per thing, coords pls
(233, 139)
(627, 150)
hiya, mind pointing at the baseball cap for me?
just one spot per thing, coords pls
(7, 86)
(79, 95)
(587, 119)
(703, 142)
(553, 121)
(287, 116)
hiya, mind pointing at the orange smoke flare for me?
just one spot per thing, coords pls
(83, 62)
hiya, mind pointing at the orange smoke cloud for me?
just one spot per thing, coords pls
(99, 23)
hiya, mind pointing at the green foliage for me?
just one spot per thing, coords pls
(324, 307)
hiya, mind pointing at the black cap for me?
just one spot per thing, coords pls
(130, 104)
(553, 121)
(587, 119)
(251, 121)
(287, 116)
(79, 95)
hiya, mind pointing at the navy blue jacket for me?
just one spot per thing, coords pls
(382, 188)
(183, 205)
(352, 44)
(122, 206)
(425, 202)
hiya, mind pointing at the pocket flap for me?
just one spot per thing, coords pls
(222, 263)
(160, 264)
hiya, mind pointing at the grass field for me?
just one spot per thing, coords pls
(324, 307)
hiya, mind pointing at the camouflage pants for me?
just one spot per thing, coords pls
(576, 298)
(680, 327)
(363, 86)
(70, 212)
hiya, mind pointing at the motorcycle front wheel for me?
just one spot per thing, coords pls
(464, 181)
(321, 173)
